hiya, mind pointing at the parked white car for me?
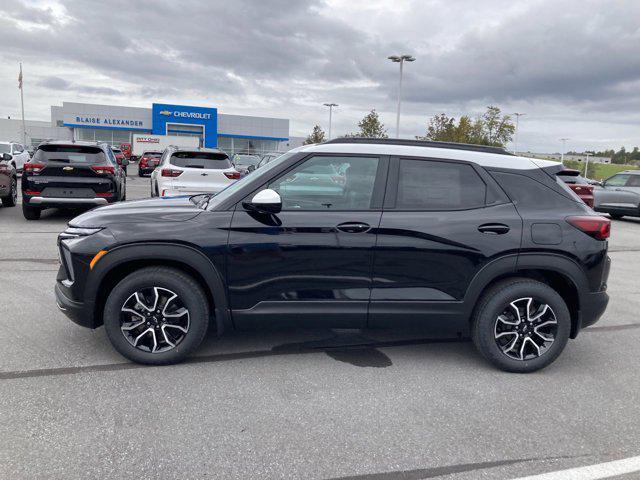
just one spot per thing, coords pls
(192, 171)
(19, 154)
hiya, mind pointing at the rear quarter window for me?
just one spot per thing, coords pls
(529, 193)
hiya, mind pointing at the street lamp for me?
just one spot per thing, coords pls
(586, 165)
(515, 143)
(400, 59)
(330, 105)
(564, 142)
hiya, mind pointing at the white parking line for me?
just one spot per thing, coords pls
(591, 472)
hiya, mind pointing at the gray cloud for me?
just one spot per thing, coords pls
(559, 61)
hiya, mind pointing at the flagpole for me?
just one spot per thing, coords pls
(24, 128)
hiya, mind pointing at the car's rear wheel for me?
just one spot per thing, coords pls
(11, 199)
(156, 316)
(31, 213)
(521, 325)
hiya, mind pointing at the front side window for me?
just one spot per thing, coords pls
(328, 183)
(618, 180)
(431, 185)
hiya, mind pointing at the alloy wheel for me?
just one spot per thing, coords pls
(154, 320)
(526, 329)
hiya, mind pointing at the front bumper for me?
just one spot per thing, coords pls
(77, 312)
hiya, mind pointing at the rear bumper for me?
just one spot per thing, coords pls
(49, 201)
(77, 312)
(591, 309)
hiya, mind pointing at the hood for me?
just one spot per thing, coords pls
(172, 209)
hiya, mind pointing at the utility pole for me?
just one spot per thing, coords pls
(586, 165)
(564, 141)
(515, 143)
(400, 59)
(24, 128)
(330, 105)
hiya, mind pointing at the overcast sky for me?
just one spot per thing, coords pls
(572, 66)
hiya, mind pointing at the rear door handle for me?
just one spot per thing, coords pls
(494, 228)
(354, 227)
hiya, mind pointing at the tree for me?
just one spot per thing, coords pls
(371, 127)
(317, 136)
(491, 128)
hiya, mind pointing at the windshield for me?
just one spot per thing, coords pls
(234, 187)
(573, 179)
(208, 160)
(4, 148)
(69, 154)
(246, 159)
(152, 154)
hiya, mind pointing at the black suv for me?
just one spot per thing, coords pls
(352, 233)
(71, 174)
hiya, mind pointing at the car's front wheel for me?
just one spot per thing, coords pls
(521, 325)
(156, 316)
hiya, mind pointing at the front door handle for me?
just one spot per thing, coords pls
(354, 227)
(494, 228)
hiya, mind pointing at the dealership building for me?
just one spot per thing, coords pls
(116, 124)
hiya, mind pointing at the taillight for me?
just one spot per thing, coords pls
(105, 194)
(32, 192)
(594, 226)
(143, 161)
(232, 175)
(103, 169)
(33, 167)
(169, 172)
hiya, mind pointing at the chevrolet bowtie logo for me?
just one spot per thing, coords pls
(166, 113)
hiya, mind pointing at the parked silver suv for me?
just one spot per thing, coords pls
(619, 195)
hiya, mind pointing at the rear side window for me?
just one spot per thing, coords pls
(69, 154)
(205, 160)
(529, 193)
(429, 185)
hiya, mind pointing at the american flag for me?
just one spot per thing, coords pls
(20, 78)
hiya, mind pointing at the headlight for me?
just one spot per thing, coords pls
(73, 232)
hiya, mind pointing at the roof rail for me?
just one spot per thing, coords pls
(423, 143)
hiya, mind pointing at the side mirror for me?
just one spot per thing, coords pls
(265, 201)
(251, 168)
(124, 162)
(6, 156)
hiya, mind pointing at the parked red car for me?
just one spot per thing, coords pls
(578, 184)
(126, 149)
(119, 158)
(148, 162)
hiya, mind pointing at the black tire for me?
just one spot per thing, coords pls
(616, 216)
(11, 199)
(140, 174)
(31, 213)
(496, 301)
(189, 293)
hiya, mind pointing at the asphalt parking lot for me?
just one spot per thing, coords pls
(301, 404)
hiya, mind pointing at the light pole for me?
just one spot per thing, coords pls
(564, 142)
(586, 165)
(515, 143)
(400, 59)
(330, 105)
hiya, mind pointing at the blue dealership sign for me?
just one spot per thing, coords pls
(164, 116)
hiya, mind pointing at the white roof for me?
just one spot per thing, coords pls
(484, 159)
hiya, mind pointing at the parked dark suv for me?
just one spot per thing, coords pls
(450, 238)
(66, 174)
